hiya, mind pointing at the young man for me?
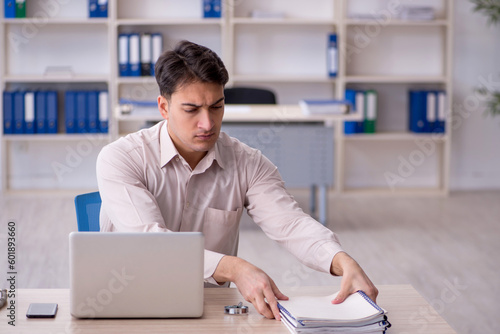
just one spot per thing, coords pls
(183, 174)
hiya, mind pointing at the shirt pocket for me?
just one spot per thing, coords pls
(220, 229)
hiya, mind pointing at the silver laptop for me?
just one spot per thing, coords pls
(136, 275)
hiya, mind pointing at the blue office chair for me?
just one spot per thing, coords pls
(88, 207)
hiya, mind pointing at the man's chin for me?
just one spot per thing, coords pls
(203, 147)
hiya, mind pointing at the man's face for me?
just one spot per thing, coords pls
(194, 114)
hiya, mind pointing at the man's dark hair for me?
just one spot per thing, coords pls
(188, 63)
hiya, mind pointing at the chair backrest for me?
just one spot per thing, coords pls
(88, 207)
(247, 95)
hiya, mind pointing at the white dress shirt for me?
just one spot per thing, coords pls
(147, 186)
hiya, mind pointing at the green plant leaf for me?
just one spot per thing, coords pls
(489, 8)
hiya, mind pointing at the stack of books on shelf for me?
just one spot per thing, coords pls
(324, 107)
(137, 107)
(364, 102)
(137, 53)
(357, 314)
(417, 13)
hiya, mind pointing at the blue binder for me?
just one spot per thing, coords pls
(431, 111)
(216, 8)
(207, 8)
(18, 112)
(8, 112)
(156, 49)
(134, 55)
(212, 8)
(102, 8)
(93, 111)
(10, 9)
(40, 112)
(81, 112)
(93, 8)
(418, 111)
(29, 112)
(332, 56)
(440, 112)
(361, 104)
(146, 58)
(123, 55)
(103, 112)
(52, 112)
(70, 111)
(350, 126)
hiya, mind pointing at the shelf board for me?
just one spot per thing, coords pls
(282, 21)
(258, 113)
(277, 113)
(283, 78)
(435, 191)
(56, 78)
(136, 80)
(62, 20)
(169, 21)
(140, 118)
(396, 136)
(395, 79)
(57, 137)
(395, 22)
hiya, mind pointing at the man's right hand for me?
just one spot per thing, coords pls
(253, 283)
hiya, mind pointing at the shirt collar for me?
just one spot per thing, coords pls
(168, 151)
(217, 153)
(167, 147)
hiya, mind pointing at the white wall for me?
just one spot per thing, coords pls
(475, 160)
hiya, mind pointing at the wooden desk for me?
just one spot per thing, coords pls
(408, 313)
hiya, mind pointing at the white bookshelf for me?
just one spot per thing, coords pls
(287, 55)
(56, 47)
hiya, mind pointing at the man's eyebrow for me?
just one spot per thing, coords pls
(218, 101)
(198, 106)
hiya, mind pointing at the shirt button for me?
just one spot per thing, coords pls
(187, 204)
(176, 159)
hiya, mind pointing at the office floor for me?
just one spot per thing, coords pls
(447, 248)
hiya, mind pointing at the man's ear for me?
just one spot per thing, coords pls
(163, 106)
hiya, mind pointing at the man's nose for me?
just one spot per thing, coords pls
(205, 121)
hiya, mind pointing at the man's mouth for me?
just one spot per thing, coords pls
(205, 136)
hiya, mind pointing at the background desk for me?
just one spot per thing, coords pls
(408, 313)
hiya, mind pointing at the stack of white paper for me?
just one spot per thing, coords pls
(417, 13)
(357, 314)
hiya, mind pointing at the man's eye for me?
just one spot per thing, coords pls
(190, 110)
(216, 107)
